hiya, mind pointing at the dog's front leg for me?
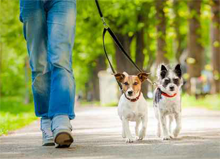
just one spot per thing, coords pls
(178, 124)
(127, 131)
(137, 128)
(143, 129)
(163, 123)
(170, 125)
(158, 123)
(123, 131)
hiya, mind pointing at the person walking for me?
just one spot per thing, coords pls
(49, 30)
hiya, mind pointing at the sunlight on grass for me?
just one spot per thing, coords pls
(14, 114)
(211, 102)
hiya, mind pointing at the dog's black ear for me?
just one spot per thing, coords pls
(163, 71)
(178, 70)
(143, 76)
(119, 77)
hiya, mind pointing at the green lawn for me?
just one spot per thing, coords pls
(211, 102)
(14, 114)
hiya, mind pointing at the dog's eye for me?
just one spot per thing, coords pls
(167, 81)
(176, 80)
(135, 83)
(126, 83)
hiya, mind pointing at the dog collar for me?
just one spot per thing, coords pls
(134, 99)
(167, 95)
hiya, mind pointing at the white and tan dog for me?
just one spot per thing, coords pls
(132, 105)
(167, 100)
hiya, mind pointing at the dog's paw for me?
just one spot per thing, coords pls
(136, 138)
(166, 138)
(140, 137)
(142, 134)
(158, 134)
(176, 133)
(129, 140)
(171, 136)
(123, 134)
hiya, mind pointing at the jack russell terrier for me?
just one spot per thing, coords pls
(132, 106)
(167, 100)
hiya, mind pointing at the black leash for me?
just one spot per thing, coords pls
(107, 29)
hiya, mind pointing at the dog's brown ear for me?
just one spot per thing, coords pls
(119, 77)
(143, 76)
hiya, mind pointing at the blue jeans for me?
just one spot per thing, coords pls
(49, 29)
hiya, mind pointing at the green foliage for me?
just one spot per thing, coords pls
(13, 49)
(14, 114)
(121, 15)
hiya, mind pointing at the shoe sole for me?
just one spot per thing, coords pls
(48, 144)
(63, 140)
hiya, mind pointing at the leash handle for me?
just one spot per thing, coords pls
(152, 83)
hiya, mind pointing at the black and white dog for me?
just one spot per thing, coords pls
(167, 100)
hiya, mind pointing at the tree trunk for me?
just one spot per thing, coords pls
(140, 44)
(100, 65)
(215, 35)
(122, 62)
(195, 48)
(139, 57)
(161, 32)
(177, 22)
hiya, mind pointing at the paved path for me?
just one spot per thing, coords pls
(98, 135)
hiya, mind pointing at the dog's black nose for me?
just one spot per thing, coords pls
(171, 88)
(130, 92)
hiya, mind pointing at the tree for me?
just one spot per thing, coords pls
(215, 36)
(100, 65)
(161, 32)
(195, 48)
(178, 23)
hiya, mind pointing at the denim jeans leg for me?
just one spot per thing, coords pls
(33, 17)
(61, 22)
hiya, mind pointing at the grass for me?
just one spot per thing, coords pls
(211, 102)
(14, 114)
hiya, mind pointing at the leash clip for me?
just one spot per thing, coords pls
(152, 83)
(104, 23)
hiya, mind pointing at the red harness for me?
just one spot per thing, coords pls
(134, 99)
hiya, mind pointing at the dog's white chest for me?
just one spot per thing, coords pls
(170, 105)
(132, 111)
